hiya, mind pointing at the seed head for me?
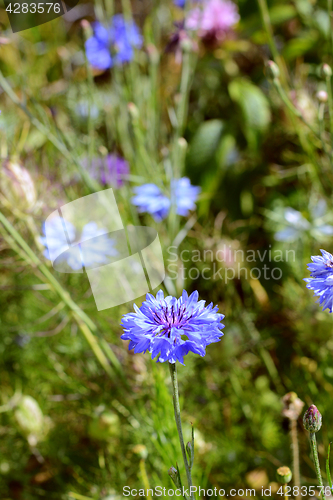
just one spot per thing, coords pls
(284, 475)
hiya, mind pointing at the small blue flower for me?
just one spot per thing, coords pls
(294, 226)
(97, 247)
(169, 328)
(321, 281)
(149, 198)
(184, 195)
(113, 44)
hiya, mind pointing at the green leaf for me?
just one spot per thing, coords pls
(254, 106)
(204, 145)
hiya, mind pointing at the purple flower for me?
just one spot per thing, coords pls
(111, 170)
(113, 43)
(149, 198)
(214, 19)
(170, 328)
(321, 280)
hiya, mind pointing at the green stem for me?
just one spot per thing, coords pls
(316, 462)
(295, 450)
(173, 373)
(264, 13)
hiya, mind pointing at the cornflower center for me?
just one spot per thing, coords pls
(169, 318)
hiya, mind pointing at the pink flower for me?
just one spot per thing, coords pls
(214, 19)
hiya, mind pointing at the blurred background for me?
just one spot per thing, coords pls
(80, 415)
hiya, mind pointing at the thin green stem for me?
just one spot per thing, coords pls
(330, 104)
(295, 451)
(264, 13)
(173, 373)
(316, 462)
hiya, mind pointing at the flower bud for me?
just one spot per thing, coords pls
(87, 29)
(322, 96)
(133, 111)
(272, 70)
(174, 474)
(190, 454)
(17, 186)
(312, 419)
(326, 71)
(284, 475)
(30, 419)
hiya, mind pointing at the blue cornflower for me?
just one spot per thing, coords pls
(97, 246)
(113, 44)
(184, 195)
(294, 226)
(169, 328)
(321, 281)
(149, 198)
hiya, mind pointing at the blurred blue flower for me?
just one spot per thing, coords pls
(169, 328)
(321, 281)
(113, 44)
(149, 198)
(184, 195)
(297, 225)
(97, 248)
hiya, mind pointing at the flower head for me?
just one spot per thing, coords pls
(110, 170)
(98, 247)
(184, 195)
(113, 44)
(169, 328)
(321, 280)
(294, 226)
(214, 20)
(312, 419)
(149, 198)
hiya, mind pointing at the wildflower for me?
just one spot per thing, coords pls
(149, 198)
(111, 170)
(169, 328)
(97, 247)
(312, 419)
(294, 225)
(113, 44)
(321, 279)
(184, 195)
(214, 20)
